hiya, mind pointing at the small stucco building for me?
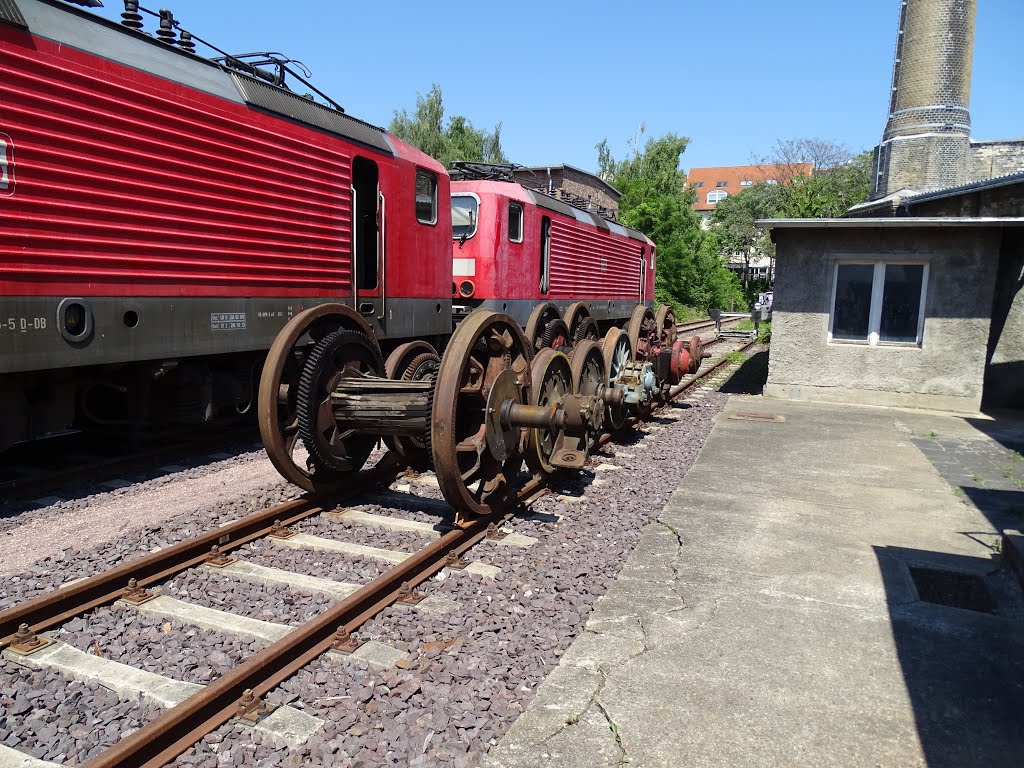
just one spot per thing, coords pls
(915, 298)
(908, 311)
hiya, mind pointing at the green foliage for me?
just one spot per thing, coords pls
(425, 130)
(690, 273)
(828, 194)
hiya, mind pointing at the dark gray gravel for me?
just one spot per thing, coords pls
(403, 541)
(163, 646)
(51, 717)
(326, 565)
(278, 604)
(71, 564)
(468, 674)
(472, 672)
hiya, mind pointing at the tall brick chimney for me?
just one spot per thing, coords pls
(926, 144)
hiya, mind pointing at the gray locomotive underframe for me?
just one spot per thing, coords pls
(165, 328)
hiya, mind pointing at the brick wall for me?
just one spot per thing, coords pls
(996, 158)
(926, 140)
(575, 188)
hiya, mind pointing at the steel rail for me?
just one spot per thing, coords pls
(49, 610)
(163, 739)
(682, 387)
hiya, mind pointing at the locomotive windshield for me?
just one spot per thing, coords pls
(464, 216)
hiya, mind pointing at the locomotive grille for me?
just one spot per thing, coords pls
(10, 13)
(283, 103)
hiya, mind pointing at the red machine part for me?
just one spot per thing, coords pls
(686, 358)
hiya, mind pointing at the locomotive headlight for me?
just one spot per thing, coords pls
(466, 289)
(74, 319)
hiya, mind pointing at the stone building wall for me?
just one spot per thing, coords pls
(990, 159)
(946, 372)
(574, 187)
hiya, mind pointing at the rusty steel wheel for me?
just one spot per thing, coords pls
(541, 317)
(589, 373)
(550, 381)
(617, 355)
(643, 332)
(580, 323)
(667, 327)
(696, 349)
(279, 385)
(475, 476)
(412, 361)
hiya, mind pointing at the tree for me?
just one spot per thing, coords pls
(734, 224)
(828, 193)
(459, 140)
(788, 154)
(831, 192)
(690, 273)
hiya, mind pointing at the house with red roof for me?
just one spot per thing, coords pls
(712, 185)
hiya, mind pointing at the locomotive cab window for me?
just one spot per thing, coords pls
(515, 223)
(545, 253)
(426, 197)
(465, 211)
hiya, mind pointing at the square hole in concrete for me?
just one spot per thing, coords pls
(952, 588)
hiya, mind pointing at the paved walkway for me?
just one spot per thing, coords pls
(774, 615)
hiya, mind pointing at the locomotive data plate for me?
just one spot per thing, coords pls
(227, 321)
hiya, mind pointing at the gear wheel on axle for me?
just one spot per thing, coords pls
(337, 355)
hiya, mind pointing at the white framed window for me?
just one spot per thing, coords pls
(771, 181)
(465, 212)
(515, 222)
(426, 197)
(715, 195)
(878, 302)
(746, 183)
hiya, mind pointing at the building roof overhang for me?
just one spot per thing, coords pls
(890, 222)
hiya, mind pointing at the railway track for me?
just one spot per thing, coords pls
(707, 324)
(241, 691)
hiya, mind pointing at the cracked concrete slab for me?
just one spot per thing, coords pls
(775, 621)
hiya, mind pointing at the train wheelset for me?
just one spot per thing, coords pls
(492, 401)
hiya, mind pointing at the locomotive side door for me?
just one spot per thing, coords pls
(367, 239)
(643, 273)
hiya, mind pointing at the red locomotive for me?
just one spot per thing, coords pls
(525, 253)
(165, 215)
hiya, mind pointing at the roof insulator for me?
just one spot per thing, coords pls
(166, 31)
(131, 17)
(185, 42)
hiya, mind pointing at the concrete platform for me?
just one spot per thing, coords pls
(771, 617)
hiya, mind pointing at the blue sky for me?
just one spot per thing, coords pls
(560, 76)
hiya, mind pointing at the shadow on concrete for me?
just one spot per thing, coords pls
(750, 377)
(1004, 509)
(1006, 427)
(963, 669)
